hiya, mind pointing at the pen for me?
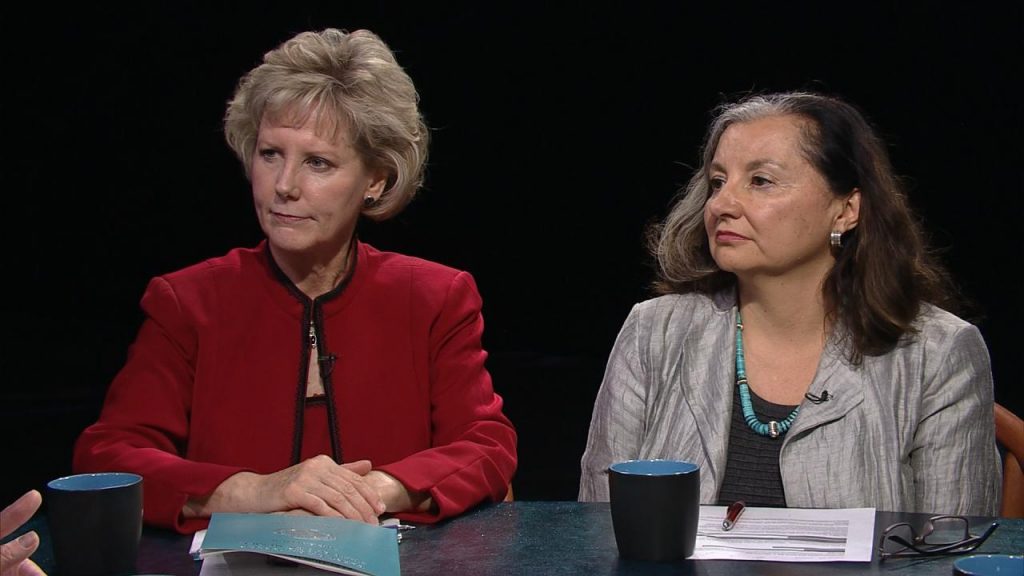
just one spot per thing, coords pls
(732, 514)
(394, 524)
(397, 526)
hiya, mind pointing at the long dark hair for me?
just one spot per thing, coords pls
(884, 270)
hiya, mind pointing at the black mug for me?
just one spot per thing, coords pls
(95, 523)
(655, 506)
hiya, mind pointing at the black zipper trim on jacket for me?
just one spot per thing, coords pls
(312, 311)
(300, 399)
(325, 361)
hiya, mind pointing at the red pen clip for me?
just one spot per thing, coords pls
(732, 514)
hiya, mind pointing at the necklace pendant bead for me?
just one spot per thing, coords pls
(773, 429)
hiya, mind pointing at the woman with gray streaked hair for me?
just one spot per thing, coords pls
(312, 373)
(802, 351)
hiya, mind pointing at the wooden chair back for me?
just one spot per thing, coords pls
(1010, 434)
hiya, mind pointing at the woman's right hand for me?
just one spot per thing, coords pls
(319, 486)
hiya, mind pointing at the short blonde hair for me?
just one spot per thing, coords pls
(340, 80)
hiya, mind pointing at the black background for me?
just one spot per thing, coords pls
(558, 134)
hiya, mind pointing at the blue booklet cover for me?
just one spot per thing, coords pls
(333, 544)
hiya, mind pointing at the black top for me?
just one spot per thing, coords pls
(752, 465)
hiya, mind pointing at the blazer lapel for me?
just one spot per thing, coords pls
(837, 377)
(707, 382)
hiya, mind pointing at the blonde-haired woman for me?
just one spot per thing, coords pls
(312, 373)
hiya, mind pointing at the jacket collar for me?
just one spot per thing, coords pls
(283, 291)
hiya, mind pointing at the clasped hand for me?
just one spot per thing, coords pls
(322, 487)
(317, 486)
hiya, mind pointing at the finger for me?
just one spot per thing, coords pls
(30, 568)
(17, 550)
(19, 512)
(366, 489)
(361, 467)
(296, 486)
(319, 499)
(295, 512)
(326, 502)
(353, 499)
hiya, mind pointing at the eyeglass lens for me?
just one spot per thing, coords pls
(901, 531)
(945, 530)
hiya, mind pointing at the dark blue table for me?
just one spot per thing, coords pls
(557, 538)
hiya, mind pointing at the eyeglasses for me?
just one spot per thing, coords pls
(939, 535)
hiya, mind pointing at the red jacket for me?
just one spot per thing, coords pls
(215, 382)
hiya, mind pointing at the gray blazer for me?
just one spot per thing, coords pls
(908, 431)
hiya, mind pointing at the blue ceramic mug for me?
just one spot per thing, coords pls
(95, 523)
(655, 506)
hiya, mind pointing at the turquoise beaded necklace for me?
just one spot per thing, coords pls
(772, 428)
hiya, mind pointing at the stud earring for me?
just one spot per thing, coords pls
(835, 239)
(369, 201)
